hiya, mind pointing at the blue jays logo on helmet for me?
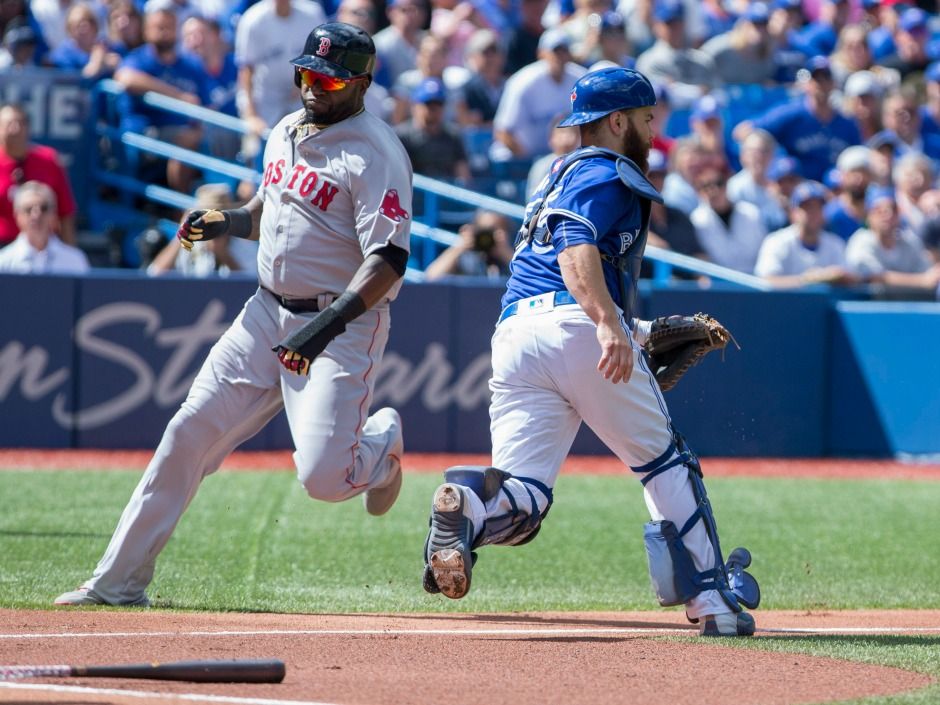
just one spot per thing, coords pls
(604, 91)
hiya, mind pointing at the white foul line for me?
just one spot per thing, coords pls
(143, 694)
(520, 631)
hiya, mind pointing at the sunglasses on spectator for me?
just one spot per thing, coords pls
(717, 183)
(327, 83)
(42, 207)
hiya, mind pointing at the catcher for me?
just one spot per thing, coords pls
(567, 348)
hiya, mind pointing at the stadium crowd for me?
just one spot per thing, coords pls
(796, 139)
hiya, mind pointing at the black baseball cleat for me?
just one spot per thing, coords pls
(447, 555)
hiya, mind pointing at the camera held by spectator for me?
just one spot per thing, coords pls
(483, 249)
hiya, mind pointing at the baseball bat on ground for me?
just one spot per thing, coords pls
(233, 671)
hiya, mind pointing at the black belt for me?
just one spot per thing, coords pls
(296, 305)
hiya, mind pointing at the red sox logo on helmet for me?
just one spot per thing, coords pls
(391, 206)
(324, 47)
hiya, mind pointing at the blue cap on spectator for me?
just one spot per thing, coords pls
(874, 194)
(612, 20)
(661, 92)
(553, 39)
(832, 179)
(788, 5)
(807, 191)
(818, 64)
(706, 108)
(757, 12)
(17, 34)
(430, 90)
(913, 19)
(883, 139)
(932, 49)
(656, 161)
(668, 10)
(782, 167)
(870, 4)
(933, 72)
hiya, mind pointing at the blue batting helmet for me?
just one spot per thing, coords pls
(604, 91)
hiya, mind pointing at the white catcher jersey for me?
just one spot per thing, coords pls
(314, 188)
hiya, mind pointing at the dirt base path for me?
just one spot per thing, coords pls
(495, 659)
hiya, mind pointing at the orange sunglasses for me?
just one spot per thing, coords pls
(328, 83)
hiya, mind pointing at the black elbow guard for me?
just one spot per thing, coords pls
(396, 257)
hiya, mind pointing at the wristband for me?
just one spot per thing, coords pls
(239, 222)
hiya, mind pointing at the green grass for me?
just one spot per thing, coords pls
(255, 542)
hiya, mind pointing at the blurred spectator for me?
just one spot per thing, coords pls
(729, 233)
(929, 231)
(808, 128)
(484, 249)
(753, 183)
(913, 176)
(607, 44)
(708, 128)
(901, 115)
(84, 49)
(202, 38)
(397, 44)
(532, 97)
(125, 27)
(430, 63)
(745, 53)
(884, 146)
(20, 46)
(561, 140)
(851, 54)
(888, 253)
(669, 227)
(639, 18)
(182, 9)
(861, 102)
(435, 148)
(786, 19)
(157, 66)
(269, 34)
(52, 18)
(359, 13)
(687, 159)
(910, 41)
(479, 97)
(661, 112)
(362, 14)
(804, 253)
(686, 72)
(20, 162)
(784, 176)
(218, 256)
(845, 213)
(717, 17)
(582, 28)
(454, 22)
(522, 40)
(930, 111)
(37, 249)
(819, 38)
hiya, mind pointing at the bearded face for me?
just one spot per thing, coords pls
(635, 147)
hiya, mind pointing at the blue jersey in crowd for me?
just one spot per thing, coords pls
(838, 220)
(594, 196)
(184, 74)
(815, 145)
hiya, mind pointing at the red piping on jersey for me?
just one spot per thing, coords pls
(352, 451)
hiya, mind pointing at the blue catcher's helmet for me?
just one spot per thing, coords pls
(601, 92)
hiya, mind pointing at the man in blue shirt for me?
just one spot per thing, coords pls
(809, 129)
(157, 66)
(567, 348)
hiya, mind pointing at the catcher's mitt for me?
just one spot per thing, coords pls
(675, 343)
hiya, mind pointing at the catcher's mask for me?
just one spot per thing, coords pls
(605, 91)
(337, 49)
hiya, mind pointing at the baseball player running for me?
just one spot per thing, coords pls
(566, 349)
(333, 216)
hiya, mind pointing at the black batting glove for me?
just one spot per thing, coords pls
(202, 224)
(298, 350)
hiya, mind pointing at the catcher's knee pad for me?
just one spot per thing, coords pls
(672, 571)
(528, 500)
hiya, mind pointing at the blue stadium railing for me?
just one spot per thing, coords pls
(116, 161)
